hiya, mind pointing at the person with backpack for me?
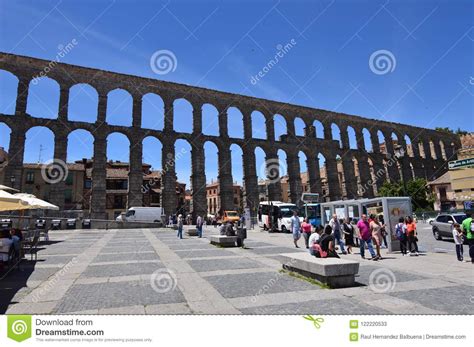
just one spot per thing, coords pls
(468, 228)
(401, 233)
(412, 235)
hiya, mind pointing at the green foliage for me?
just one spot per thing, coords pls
(450, 131)
(421, 197)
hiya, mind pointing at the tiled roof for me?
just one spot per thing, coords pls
(444, 179)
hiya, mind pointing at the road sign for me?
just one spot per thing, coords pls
(310, 197)
(456, 164)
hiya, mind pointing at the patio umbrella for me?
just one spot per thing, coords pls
(9, 202)
(2, 187)
(34, 203)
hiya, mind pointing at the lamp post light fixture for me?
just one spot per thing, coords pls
(12, 181)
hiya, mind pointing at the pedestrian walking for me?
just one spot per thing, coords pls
(468, 228)
(412, 235)
(348, 230)
(356, 232)
(295, 228)
(401, 233)
(306, 229)
(365, 237)
(199, 224)
(458, 241)
(335, 225)
(376, 230)
(170, 221)
(384, 232)
(180, 226)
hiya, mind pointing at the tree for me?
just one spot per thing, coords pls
(421, 197)
(450, 131)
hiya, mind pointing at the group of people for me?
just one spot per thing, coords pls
(462, 231)
(369, 231)
(9, 239)
(180, 224)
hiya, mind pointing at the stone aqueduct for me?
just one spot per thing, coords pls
(442, 146)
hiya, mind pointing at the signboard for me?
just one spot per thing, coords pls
(456, 164)
(396, 208)
(310, 197)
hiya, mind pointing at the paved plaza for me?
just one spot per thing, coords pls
(150, 271)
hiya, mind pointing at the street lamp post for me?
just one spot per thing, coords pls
(399, 154)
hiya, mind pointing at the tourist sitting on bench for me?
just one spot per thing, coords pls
(324, 248)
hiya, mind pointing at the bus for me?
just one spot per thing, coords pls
(312, 211)
(276, 215)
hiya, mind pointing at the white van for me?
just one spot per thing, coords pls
(142, 214)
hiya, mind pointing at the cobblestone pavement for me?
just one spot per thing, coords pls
(150, 271)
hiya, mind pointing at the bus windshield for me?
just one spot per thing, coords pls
(287, 211)
(314, 211)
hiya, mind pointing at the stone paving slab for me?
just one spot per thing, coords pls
(110, 295)
(61, 259)
(366, 270)
(233, 286)
(117, 249)
(453, 300)
(317, 307)
(201, 265)
(121, 269)
(207, 253)
(274, 250)
(128, 256)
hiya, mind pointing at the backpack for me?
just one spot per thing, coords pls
(399, 231)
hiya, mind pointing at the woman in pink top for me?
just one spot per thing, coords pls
(306, 228)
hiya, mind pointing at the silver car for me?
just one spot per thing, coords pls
(442, 225)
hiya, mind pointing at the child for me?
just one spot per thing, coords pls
(458, 240)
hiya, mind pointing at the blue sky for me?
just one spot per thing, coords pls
(221, 45)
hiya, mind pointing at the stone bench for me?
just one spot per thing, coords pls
(223, 241)
(334, 272)
(191, 232)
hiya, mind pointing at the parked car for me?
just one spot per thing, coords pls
(442, 225)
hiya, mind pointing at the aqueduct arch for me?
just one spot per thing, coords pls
(369, 163)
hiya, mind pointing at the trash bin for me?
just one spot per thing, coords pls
(86, 224)
(56, 224)
(71, 223)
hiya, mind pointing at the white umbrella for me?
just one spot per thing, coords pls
(34, 203)
(9, 202)
(2, 187)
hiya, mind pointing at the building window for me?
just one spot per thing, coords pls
(119, 201)
(69, 179)
(30, 177)
(68, 196)
(88, 184)
(458, 190)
